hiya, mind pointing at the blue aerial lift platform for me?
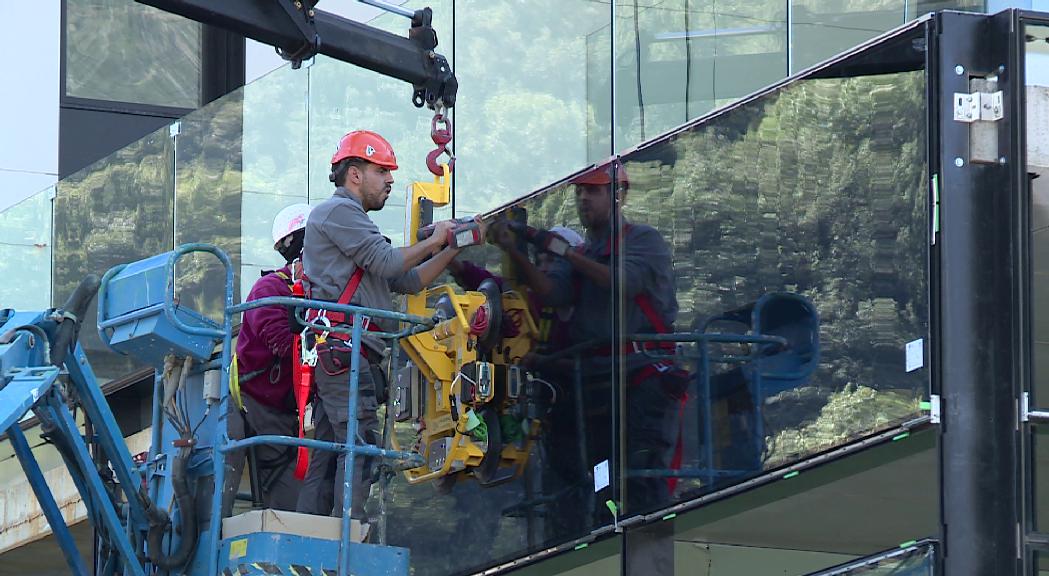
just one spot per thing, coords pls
(147, 514)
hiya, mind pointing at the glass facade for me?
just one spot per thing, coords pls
(25, 251)
(123, 51)
(1037, 93)
(115, 211)
(755, 222)
(679, 59)
(780, 243)
(1036, 54)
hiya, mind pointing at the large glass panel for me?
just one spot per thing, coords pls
(530, 95)
(125, 51)
(926, 6)
(795, 227)
(679, 59)
(25, 253)
(1037, 91)
(822, 28)
(115, 211)
(276, 164)
(239, 161)
(569, 410)
(208, 183)
(553, 499)
(1040, 477)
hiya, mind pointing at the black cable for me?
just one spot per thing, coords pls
(714, 60)
(637, 57)
(688, 61)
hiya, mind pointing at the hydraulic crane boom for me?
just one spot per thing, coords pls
(299, 31)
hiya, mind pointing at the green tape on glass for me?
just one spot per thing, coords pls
(670, 516)
(581, 546)
(900, 436)
(925, 405)
(791, 475)
(908, 544)
(612, 507)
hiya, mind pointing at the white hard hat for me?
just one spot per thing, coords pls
(288, 220)
(571, 236)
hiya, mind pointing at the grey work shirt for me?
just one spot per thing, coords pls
(648, 269)
(340, 237)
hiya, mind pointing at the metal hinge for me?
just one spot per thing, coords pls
(934, 187)
(978, 106)
(1027, 415)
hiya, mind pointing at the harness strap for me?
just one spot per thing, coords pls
(301, 383)
(649, 310)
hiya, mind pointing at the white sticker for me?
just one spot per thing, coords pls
(464, 238)
(915, 354)
(601, 476)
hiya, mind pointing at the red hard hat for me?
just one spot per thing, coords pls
(366, 145)
(600, 176)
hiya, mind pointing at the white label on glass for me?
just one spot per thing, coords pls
(601, 476)
(915, 355)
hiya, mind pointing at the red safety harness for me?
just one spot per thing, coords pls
(305, 360)
(659, 368)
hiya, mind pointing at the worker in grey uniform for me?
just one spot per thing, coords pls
(346, 258)
(655, 386)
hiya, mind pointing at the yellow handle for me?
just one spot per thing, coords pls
(234, 384)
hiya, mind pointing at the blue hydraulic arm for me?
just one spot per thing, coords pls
(147, 515)
(33, 349)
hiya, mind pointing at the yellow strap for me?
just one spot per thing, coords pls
(234, 384)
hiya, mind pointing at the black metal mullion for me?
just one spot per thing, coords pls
(979, 442)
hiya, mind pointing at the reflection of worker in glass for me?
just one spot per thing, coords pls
(346, 259)
(584, 278)
(264, 363)
(551, 321)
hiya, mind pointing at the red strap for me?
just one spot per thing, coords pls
(301, 382)
(347, 295)
(302, 395)
(645, 303)
(351, 286)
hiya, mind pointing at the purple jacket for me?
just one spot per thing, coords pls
(265, 344)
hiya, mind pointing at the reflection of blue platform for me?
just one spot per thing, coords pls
(776, 368)
(769, 369)
(775, 343)
(274, 553)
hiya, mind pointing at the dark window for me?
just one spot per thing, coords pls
(117, 50)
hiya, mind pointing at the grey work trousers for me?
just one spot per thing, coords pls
(323, 488)
(275, 464)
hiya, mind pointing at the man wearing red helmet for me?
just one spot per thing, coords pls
(583, 278)
(347, 259)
